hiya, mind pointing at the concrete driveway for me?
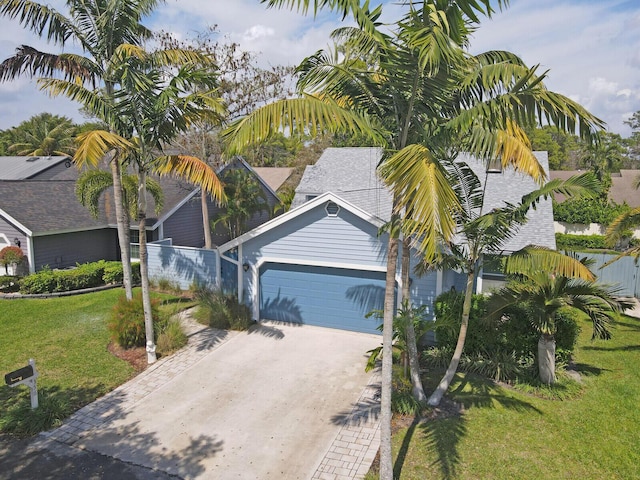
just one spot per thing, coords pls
(269, 404)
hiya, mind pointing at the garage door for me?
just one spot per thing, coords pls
(321, 296)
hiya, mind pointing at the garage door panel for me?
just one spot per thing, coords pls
(331, 297)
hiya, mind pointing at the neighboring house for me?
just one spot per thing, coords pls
(39, 211)
(622, 185)
(324, 262)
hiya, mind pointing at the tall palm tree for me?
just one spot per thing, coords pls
(45, 135)
(545, 292)
(98, 27)
(153, 104)
(420, 94)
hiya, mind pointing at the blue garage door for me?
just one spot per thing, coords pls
(326, 297)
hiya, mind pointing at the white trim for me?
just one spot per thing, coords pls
(15, 223)
(298, 211)
(320, 263)
(175, 208)
(439, 281)
(31, 255)
(6, 241)
(240, 273)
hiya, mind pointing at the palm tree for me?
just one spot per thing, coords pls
(424, 98)
(152, 106)
(45, 135)
(245, 198)
(544, 292)
(98, 27)
(93, 183)
(481, 233)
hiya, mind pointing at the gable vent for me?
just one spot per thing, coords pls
(332, 209)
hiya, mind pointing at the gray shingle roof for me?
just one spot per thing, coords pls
(621, 190)
(351, 174)
(21, 168)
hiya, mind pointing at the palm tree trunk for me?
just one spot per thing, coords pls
(205, 220)
(417, 390)
(547, 359)
(122, 220)
(144, 267)
(386, 459)
(436, 396)
(203, 198)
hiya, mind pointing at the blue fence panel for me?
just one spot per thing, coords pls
(185, 266)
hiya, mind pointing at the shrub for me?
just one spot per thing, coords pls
(587, 211)
(566, 241)
(11, 255)
(42, 282)
(402, 401)
(170, 337)
(9, 283)
(222, 310)
(126, 322)
(113, 273)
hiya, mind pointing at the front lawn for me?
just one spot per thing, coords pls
(503, 433)
(68, 339)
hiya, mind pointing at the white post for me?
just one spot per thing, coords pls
(31, 383)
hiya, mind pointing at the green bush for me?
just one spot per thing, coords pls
(42, 282)
(402, 400)
(566, 241)
(126, 322)
(587, 211)
(113, 273)
(9, 283)
(221, 310)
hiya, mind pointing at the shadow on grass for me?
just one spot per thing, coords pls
(446, 426)
(625, 348)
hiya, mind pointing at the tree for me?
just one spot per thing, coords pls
(11, 255)
(43, 135)
(424, 98)
(245, 199)
(242, 85)
(482, 233)
(544, 292)
(98, 27)
(93, 183)
(153, 104)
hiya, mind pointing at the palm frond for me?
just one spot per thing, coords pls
(535, 259)
(94, 145)
(193, 170)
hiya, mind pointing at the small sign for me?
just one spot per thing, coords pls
(19, 375)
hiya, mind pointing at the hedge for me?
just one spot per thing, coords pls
(87, 275)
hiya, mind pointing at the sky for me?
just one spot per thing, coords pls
(591, 48)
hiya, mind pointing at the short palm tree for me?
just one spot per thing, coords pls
(93, 183)
(544, 293)
(46, 135)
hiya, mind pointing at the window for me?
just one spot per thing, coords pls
(332, 209)
(4, 241)
(309, 197)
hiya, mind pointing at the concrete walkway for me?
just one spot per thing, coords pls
(238, 405)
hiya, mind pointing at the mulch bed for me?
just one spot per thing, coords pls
(136, 357)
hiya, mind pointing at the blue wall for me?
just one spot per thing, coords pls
(183, 265)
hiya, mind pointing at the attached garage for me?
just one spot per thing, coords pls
(322, 296)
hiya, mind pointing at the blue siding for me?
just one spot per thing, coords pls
(183, 265)
(321, 296)
(317, 237)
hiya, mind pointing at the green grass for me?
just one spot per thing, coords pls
(68, 338)
(505, 433)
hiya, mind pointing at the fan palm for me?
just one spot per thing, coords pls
(98, 27)
(544, 292)
(424, 98)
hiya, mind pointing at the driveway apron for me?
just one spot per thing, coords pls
(269, 404)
